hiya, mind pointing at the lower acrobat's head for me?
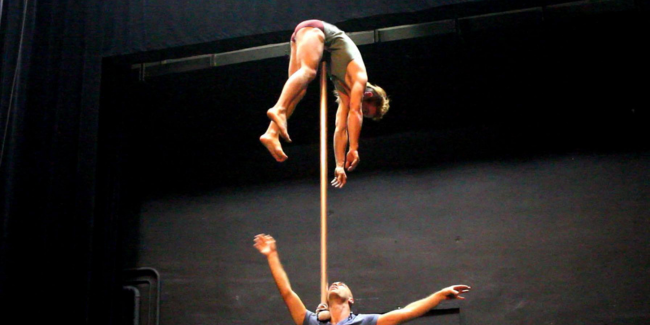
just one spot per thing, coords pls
(341, 292)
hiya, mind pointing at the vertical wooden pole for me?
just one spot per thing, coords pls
(323, 182)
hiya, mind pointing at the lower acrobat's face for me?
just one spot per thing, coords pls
(341, 290)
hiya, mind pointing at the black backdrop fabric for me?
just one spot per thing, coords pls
(58, 238)
(50, 94)
(153, 25)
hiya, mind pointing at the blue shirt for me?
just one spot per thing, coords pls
(361, 319)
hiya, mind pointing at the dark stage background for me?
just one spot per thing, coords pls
(513, 159)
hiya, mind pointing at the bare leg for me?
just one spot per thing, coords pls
(309, 50)
(271, 139)
(308, 46)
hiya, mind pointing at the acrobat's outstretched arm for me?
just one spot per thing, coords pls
(341, 141)
(355, 118)
(266, 245)
(420, 307)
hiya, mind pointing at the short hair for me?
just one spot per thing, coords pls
(350, 303)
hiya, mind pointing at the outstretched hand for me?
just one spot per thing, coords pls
(455, 291)
(352, 160)
(265, 244)
(339, 177)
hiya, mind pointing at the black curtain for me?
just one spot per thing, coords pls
(141, 25)
(53, 246)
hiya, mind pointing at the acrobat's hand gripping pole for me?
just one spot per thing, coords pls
(324, 315)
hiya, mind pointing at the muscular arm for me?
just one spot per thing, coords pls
(266, 245)
(420, 307)
(341, 130)
(355, 116)
(341, 140)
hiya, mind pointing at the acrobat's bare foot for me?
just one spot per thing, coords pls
(280, 118)
(273, 145)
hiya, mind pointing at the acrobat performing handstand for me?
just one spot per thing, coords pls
(340, 297)
(356, 97)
